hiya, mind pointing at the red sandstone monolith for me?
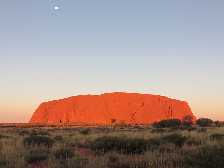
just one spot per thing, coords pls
(109, 108)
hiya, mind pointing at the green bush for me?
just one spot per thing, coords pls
(176, 139)
(208, 156)
(119, 144)
(36, 156)
(204, 122)
(171, 123)
(64, 154)
(36, 140)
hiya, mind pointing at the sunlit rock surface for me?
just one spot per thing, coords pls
(110, 108)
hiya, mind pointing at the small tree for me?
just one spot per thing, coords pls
(204, 122)
(172, 123)
(187, 120)
(219, 123)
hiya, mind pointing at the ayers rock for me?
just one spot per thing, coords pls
(105, 109)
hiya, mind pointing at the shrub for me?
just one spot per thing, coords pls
(158, 130)
(24, 132)
(166, 148)
(217, 137)
(66, 158)
(202, 130)
(36, 156)
(134, 146)
(187, 121)
(154, 143)
(193, 142)
(3, 162)
(119, 144)
(188, 128)
(84, 131)
(176, 139)
(42, 132)
(204, 122)
(207, 156)
(171, 123)
(38, 140)
(219, 123)
(191, 129)
(58, 138)
(64, 154)
(115, 161)
(77, 162)
(39, 132)
(3, 136)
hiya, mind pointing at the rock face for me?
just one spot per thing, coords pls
(109, 108)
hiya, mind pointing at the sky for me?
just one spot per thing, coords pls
(51, 49)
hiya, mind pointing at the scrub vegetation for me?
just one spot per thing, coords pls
(166, 144)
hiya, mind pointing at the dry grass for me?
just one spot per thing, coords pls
(13, 151)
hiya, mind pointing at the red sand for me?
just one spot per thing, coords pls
(105, 109)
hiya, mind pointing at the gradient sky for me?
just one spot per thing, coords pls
(169, 47)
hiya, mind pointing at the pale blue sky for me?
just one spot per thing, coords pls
(173, 48)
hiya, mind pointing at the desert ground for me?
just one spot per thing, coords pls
(117, 146)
